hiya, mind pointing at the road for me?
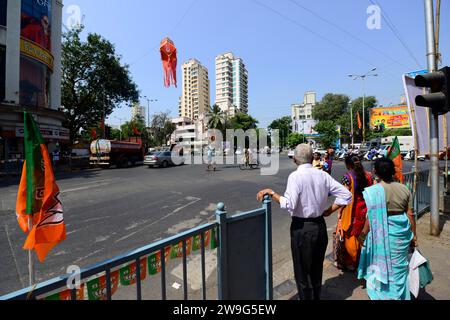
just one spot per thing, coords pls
(111, 212)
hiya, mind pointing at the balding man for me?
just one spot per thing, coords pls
(306, 198)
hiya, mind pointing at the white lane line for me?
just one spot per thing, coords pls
(161, 219)
(84, 188)
(12, 253)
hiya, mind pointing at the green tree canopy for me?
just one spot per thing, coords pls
(216, 118)
(243, 121)
(328, 133)
(94, 81)
(284, 125)
(161, 128)
(294, 139)
(332, 107)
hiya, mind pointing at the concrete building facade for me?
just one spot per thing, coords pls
(30, 73)
(138, 111)
(302, 115)
(195, 99)
(231, 84)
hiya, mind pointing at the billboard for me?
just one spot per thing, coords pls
(35, 23)
(396, 117)
(306, 127)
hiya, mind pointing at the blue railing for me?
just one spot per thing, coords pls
(230, 282)
(132, 257)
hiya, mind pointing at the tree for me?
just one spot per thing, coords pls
(216, 118)
(328, 133)
(332, 107)
(134, 128)
(294, 139)
(161, 128)
(243, 121)
(284, 125)
(94, 81)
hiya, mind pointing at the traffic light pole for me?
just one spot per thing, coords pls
(434, 121)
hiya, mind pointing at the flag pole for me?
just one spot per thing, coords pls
(30, 257)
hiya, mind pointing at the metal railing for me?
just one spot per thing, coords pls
(134, 257)
(422, 196)
(225, 234)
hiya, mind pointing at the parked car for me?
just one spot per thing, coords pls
(291, 154)
(163, 159)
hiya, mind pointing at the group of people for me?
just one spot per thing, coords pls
(375, 231)
(325, 164)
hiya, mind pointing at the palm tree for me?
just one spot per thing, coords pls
(216, 118)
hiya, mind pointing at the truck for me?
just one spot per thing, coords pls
(108, 153)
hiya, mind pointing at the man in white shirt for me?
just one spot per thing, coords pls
(306, 200)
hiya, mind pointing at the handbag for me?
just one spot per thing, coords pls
(425, 275)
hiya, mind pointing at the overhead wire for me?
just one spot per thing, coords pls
(395, 31)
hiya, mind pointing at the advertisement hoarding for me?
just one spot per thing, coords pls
(396, 117)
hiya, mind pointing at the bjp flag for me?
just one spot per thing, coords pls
(396, 156)
(38, 196)
(360, 124)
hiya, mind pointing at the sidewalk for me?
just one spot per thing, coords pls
(340, 285)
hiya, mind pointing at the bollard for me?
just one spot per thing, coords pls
(222, 263)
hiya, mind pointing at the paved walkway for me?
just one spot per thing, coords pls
(340, 285)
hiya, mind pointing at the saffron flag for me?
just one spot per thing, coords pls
(38, 195)
(360, 124)
(396, 156)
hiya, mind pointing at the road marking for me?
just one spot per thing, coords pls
(84, 188)
(161, 219)
(12, 253)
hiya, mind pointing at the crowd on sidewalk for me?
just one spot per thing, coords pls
(376, 230)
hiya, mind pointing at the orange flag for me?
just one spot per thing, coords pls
(396, 156)
(360, 124)
(38, 196)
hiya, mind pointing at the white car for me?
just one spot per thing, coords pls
(321, 151)
(291, 154)
(239, 152)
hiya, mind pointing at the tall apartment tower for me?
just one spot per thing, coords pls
(195, 99)
(231, 84)
(138, 110)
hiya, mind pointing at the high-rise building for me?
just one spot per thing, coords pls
(231, 84)
(30, 74)
(138, 111)
(195, 99)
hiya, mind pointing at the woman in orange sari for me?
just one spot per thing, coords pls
(353, 217)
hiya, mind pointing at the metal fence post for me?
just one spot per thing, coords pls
(222, 258)
(268, 247)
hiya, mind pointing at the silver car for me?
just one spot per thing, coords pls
(163, 159)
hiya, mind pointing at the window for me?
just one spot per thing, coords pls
(34, 83)
(3, 7)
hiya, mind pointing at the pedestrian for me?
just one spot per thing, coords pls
(352, 218)
(55, 157)
(306, 200)
(389, 233)
(328, 164)
(317, 162)
(210, 155)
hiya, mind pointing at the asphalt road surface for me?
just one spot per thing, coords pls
(110, 212)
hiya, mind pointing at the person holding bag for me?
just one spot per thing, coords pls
(389, 233)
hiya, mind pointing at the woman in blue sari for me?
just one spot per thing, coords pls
(389, 232)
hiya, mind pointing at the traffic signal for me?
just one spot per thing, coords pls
(439, 98)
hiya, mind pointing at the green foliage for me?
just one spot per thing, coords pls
(136, 124)
(243, 121)
(328, 133)
(284, 125)
(94, 81)
(216, 118)
(161, 128)
(332, 107)
(389, 133)
(294, 139)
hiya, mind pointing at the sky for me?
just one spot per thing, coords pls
(289, 46)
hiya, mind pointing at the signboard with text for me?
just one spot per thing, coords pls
(396, 117)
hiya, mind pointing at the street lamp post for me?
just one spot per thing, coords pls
(363, 78)
(120, 128)
(351, 121)
(148, 109)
